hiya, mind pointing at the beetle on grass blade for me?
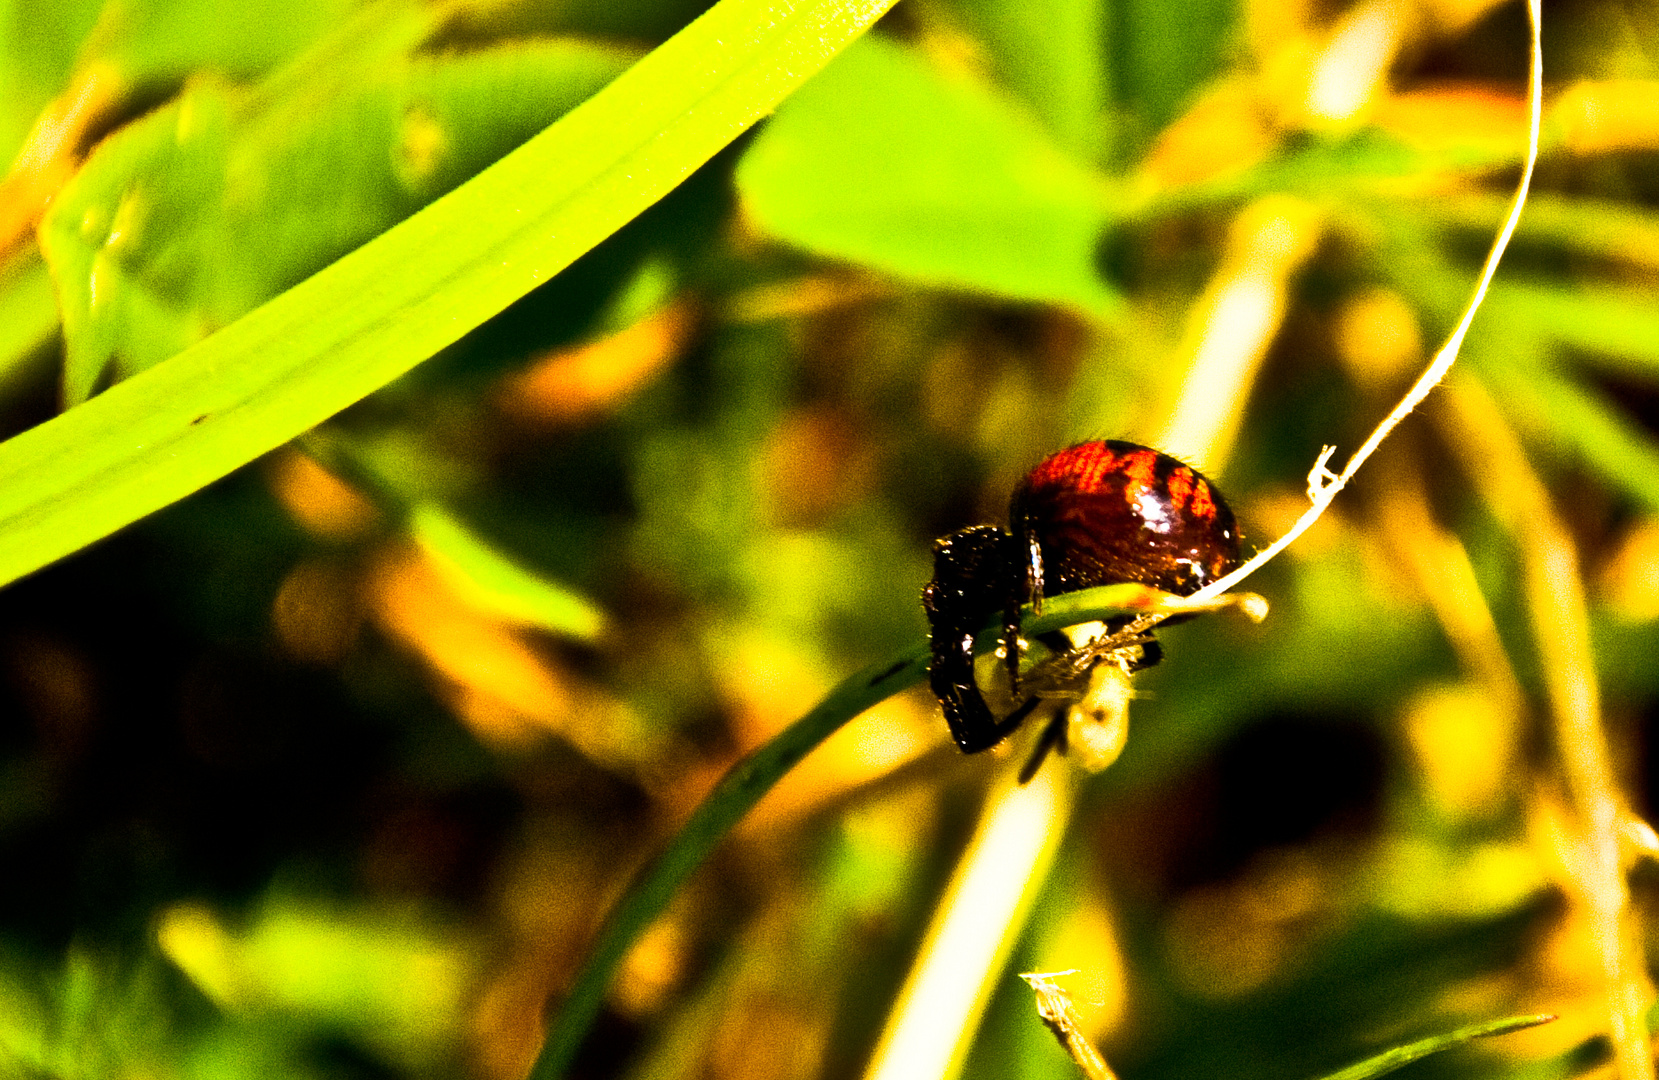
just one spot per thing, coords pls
(1098, 513)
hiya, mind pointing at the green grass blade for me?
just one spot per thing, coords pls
(1580, 422)
(752, 778)
(1390, 1060)
(498, 584)
(1619, 326)
(733, 797)
(368, 318)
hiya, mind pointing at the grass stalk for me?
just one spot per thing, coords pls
(1554, 591)
(752, 778)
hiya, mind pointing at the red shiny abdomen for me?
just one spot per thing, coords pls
(1107, 512)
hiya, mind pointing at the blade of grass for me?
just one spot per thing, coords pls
(1389, 1060)
(752, 778)
(1619, 326)
(1600, 227)
(368, 318)
(489, 578)
(1576, 419)
(976, 927)
(1553, 586)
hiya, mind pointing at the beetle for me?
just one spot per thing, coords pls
(1097, 513)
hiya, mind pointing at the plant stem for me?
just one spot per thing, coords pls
(744, 786)
(1554, 590)
(1323, 484)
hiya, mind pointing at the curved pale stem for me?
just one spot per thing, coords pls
(1323, 484)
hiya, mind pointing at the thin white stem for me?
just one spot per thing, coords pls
(1323, 485)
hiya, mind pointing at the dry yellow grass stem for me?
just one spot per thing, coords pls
(982, 912)
(1055, 1007)
(1233, 325)
(1554, 588)
(1440, 565)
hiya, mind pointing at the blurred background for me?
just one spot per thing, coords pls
(332, 769)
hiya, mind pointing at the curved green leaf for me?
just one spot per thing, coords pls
(500, 584)
(368, 318)
(1579, 421)
(1389, 1060)
(1619, 326)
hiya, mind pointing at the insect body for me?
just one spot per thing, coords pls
(1098, 513)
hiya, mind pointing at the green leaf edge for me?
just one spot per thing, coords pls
(1580, 422)
(368, 318)
(499, 583)
(1389, 1060)
(750, 779)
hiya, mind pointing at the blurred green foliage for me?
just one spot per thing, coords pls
(332, 769)
(850, 167)
(206, 207)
